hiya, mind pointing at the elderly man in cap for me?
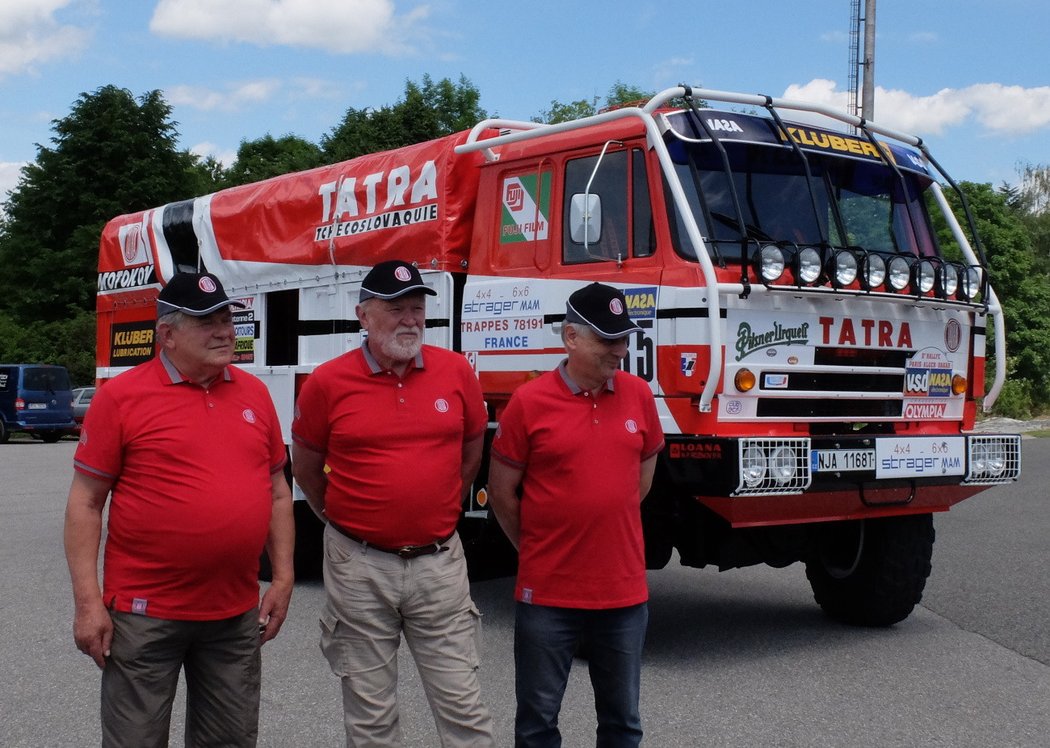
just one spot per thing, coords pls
(399, 425)
(581, 444)
(189, 449)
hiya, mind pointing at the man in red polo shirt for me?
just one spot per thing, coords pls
(400, 427)
(190, 449)
(581, 442)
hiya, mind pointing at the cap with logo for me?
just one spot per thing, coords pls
(196, 294)
(391, 279)
(602, 308)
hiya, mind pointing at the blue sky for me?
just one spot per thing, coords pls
(972, 78)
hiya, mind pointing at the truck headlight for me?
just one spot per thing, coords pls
(874, 272)
(924, 276)
(808, 268)
(845, 267)
(753, 466)
(782, 464)
(900, 273)
(770, 263)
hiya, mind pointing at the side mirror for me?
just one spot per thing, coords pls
(585, 219)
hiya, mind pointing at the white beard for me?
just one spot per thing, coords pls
(402, 352)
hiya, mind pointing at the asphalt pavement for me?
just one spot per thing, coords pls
(740, 658)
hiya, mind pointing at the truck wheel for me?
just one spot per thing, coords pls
(871, 572)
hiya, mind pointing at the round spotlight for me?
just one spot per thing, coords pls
(971, 281)
(958, 384)
(808, 265)
(874, 272)
(845, 267)
(995, 462)
(770, 263)
(900, 273)
(783, 465)
(979, 458)
(947, 280)
(753, 466)
(744, 380)
(924, 276)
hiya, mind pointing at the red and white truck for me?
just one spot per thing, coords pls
(817, 355)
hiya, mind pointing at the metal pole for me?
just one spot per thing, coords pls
(867, 110)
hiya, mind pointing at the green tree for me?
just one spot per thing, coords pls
(1031, 198)
(1022, 286)
(427, 111)
(268, 157)
(112, 154)
(619, 94)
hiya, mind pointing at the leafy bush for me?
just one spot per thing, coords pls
(1015, 400)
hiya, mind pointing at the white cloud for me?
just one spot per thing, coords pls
(232, 99)
(345, 27)
(205, 149)
(31, 36)
(996, 108)
(9, 175)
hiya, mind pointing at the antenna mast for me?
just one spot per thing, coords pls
(866, 106)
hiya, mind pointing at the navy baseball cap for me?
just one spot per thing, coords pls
(603, 309)
(391, 279)
(196, 294)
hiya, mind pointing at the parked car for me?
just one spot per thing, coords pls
(35, 399)
(81, 400)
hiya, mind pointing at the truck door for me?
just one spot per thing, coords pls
(608, 235)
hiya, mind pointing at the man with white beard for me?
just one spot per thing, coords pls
(400, 427)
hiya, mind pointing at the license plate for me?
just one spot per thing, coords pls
(842, 460)
(37, 406)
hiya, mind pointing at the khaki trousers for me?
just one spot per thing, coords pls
(372, 598)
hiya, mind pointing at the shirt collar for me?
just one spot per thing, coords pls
(375, 368)
(563, 370)
(174, 377)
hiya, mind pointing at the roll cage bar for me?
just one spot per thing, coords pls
(656, 124)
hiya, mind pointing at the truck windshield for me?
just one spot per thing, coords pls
(842, 201)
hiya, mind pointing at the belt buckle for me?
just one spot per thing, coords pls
(408, 551)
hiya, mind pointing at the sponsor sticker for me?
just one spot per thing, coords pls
(918, 457)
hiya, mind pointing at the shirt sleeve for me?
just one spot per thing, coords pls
(475, 414)
(310, 424)
(654, 432)
(510, 443)
(100, 453)
(278, 453)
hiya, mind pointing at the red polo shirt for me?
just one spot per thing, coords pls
(191, 496)
(394, 445)
(581, 530)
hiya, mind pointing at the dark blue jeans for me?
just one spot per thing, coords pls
(545, 640)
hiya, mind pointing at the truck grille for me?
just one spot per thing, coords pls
(842, 383)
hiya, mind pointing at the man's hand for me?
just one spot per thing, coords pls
(93, 631)
(274, 608)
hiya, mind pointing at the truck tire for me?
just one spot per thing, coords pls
(871, 572)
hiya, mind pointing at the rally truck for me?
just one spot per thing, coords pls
(814, 316)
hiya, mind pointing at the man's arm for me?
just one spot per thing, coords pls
(468, 470)
(92, 625)
(308, 469)
(646, 482)
(503, 485)
(280, 547)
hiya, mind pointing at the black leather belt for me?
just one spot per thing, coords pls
(405, 551)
